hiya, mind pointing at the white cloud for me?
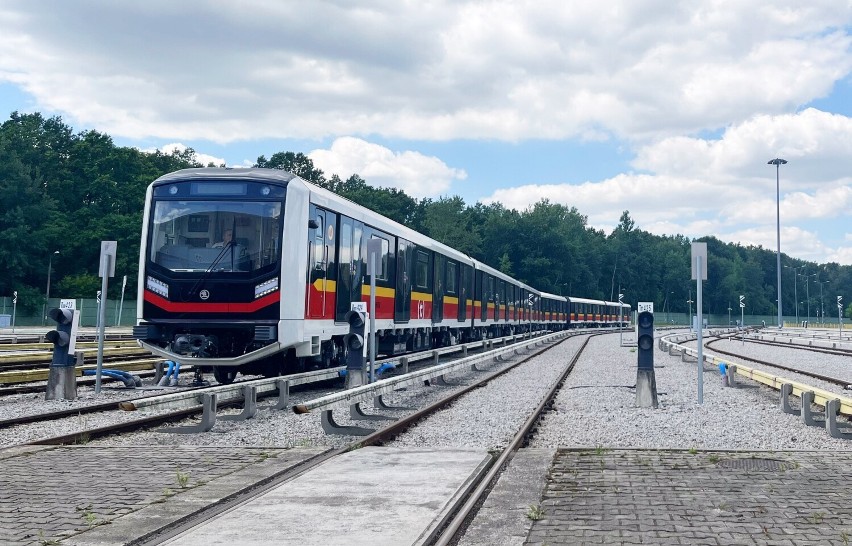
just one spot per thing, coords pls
(444, 70)
(414, 173)
(725, 188)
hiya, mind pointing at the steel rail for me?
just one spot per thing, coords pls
(269, 385)
(443, 536)
(821, 396)
(815, 375)
(379, 437)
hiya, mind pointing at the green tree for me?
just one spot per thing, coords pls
(296, 163)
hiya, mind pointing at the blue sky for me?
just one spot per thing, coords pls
(668, 110)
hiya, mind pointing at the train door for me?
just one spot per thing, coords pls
(404, 270)
(321, 264)
(422, 285)
(439, 287)
(492, 297)
(465, 290)
(350, 270)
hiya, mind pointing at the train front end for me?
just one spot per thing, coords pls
(210, 290)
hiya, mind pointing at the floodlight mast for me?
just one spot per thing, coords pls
(778, 162)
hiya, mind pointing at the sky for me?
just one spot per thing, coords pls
(669, 110)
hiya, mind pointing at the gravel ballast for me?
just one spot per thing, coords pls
(596, 408)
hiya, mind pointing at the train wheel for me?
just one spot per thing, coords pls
(225, 375)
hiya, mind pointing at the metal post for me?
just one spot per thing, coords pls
(121, 305)
(796, 293)
(620, 314)
(14, 309)
(47, 292)
(700, 340)
(742, 324)
(821, 305)
(729, 314)
(689, 301)
(808, 292)
(778, 162)
(105, 261)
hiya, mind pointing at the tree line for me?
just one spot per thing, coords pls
(67, 191)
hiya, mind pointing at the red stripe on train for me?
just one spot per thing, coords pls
(220, 307)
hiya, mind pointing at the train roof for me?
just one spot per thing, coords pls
(572, 299)
(616, 304)
(550, 296)
(265, 175)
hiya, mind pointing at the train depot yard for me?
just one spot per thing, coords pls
(543, 444)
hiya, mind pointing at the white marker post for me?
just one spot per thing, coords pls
(742, 318)
(106, 270)
(840, 318)
(699, 273)
(14, 309)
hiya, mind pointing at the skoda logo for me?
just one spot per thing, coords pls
(204, 294)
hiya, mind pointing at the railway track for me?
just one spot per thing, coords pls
(825, 350)
(192, 394)
(453, 523)
(828, 379)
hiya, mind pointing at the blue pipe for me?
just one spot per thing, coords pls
(170, 377)
(122, 376)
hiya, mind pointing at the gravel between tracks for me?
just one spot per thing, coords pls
(595, 408)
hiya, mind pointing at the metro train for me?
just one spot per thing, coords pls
(271, 296)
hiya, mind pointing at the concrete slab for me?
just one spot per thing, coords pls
(504, 518)
(370, 496)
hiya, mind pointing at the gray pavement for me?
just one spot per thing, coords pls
(111, 495)
(684, 497)
(89, 496)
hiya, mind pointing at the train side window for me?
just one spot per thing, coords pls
(452, 275)
(490, 288)
(319, 243)
(421, 270)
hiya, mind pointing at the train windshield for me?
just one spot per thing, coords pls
(227, 236)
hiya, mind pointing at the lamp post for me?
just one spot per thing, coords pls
(47, 292)
(778, 162)
(795, 289)
(808, 291)
(821, 307)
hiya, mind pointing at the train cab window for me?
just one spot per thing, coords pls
(452, 275)
(190, 236)
(421, 270)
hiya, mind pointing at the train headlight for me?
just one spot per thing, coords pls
(157, 287)
(266, 287)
